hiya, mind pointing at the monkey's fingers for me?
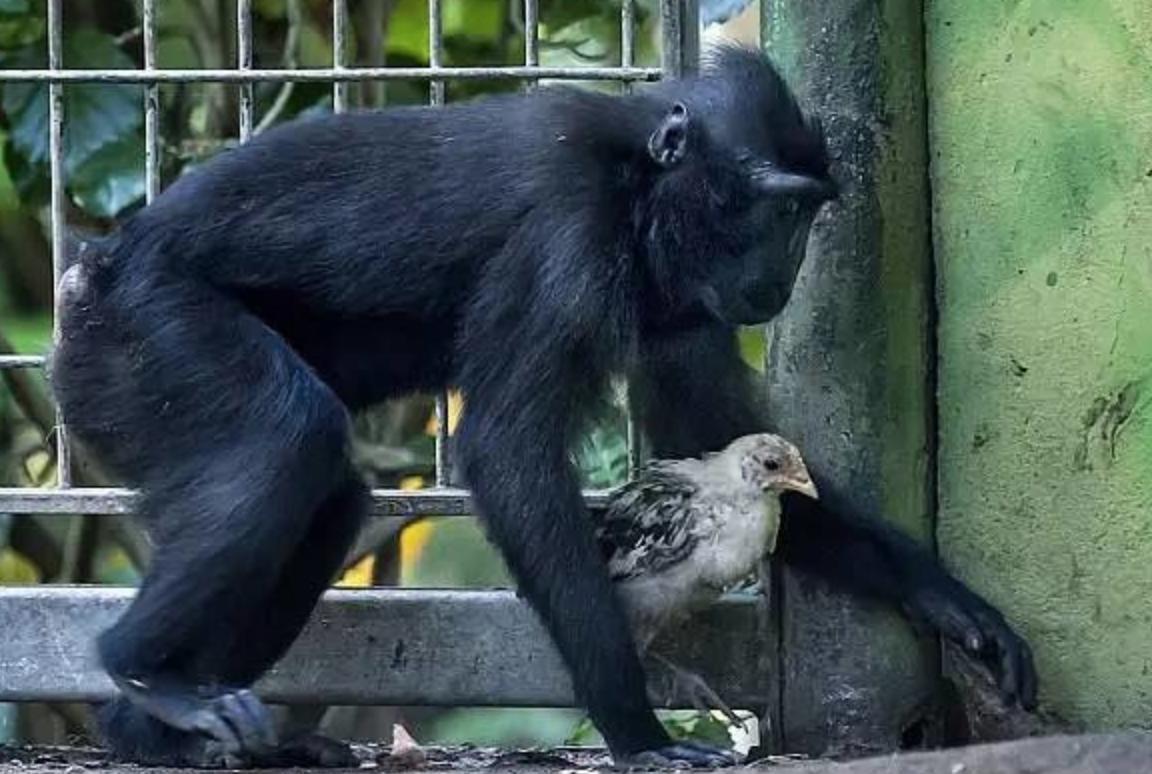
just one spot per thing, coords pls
(982, 633)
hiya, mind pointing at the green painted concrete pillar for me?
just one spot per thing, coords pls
(1041, 136)
(848, 370)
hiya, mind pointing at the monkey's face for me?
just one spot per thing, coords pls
(752, 280)
(740, 174)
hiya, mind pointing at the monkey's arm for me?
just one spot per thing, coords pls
(526, 380)
(695, 395)
(530, 502)
(829, 539)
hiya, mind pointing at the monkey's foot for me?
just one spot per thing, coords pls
(682, 755)
(236, 721)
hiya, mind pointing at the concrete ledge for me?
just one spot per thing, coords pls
(1129, 753)
(380, 646)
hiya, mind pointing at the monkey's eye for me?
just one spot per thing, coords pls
(772, 465)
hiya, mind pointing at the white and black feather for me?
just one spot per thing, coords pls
(646, 526)
(680, 534)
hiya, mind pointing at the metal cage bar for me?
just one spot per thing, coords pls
(56, 173)
(333, 74)
(244, 62)
(689, 45)
(112, 501)
(151, 106)
(436, 87)
(436, 647)
(339, 54)
(627, 33)
(437, 96)
(66, 671)
(531, 38)
(678, 54)
(21, 361)
(627, 59)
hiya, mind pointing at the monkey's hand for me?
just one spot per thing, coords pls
(962, 616)
(680, 755)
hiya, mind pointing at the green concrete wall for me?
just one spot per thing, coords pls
(1041, 144)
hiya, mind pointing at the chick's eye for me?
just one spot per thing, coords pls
(772, 465)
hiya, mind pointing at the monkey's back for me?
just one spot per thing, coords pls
(381, 197)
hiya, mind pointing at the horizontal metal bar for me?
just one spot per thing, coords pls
(405, 503)
(381, 646)
(21, 361)
(328, 74)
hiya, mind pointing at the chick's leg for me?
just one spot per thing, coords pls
(695, 688)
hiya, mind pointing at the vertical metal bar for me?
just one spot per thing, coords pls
(339, 52)
(628, 33)
(151, 107)
(436, 96)
(680, 37)
(627, 39)
(628, 59)
(670, 37)
(443, 469)
(244, 62)
(56, 169)
(531, 39)
(635, 452)
(435, 49)
(376, 18)
(531, 33)
(689, 36)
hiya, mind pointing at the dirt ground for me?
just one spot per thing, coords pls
(1125, 753)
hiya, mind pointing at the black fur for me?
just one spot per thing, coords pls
(522, 248)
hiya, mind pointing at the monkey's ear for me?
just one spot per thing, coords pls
(668, 145)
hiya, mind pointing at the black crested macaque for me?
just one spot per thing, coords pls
(522, 248)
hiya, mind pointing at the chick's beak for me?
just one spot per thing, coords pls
(802, 483)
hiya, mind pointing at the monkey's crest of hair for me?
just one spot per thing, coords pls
(747, 81)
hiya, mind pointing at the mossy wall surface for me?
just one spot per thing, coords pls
(1040, 119)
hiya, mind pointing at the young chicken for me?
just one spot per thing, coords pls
(685, 531)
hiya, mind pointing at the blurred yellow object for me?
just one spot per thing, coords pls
(359, 575)
(15, 570)
(39, 468)
(416, 536)
(412, 542)
(455, 409)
